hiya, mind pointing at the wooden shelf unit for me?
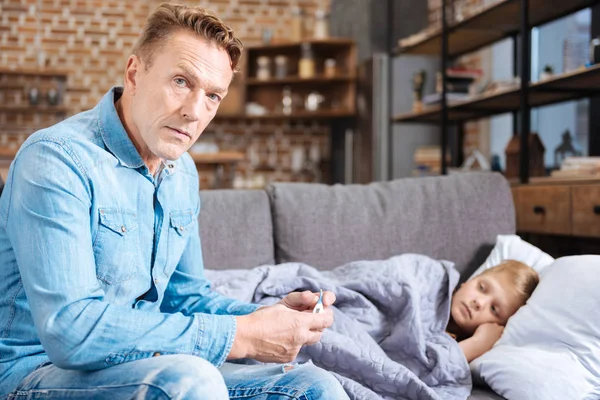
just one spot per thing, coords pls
(492, 24)
(15, 85)
(570, 86)
(339, 91)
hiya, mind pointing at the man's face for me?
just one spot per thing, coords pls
(174, 100)
(485, 298)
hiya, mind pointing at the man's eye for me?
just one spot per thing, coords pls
(481, 287)
(180, 82)
(494, 311)
(214, 97)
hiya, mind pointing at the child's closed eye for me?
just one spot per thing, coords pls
(495, 312)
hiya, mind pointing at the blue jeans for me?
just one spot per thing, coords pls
(181, 377)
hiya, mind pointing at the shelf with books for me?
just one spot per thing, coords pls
(569, 86)
(491, 24)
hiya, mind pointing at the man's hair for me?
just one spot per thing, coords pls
(524, 279)
(169, 18)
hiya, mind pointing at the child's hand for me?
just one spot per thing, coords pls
(488, 334)
(482, 340)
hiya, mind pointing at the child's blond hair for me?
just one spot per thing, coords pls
(524, 278)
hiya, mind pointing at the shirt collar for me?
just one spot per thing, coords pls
(113, 132)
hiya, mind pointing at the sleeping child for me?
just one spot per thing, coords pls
(481, 306)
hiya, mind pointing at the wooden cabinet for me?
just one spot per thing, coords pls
(585, 201)
(568, 208)
(544, 209)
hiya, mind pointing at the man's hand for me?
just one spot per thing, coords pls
(306, 301)
(277, 333)
(484, 338)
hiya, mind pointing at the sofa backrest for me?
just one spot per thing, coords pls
(454, 217)
(236, 229)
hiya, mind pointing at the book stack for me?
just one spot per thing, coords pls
(578, 167)
(428, 160)
(458, 84)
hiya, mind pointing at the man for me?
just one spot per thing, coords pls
(102, 293)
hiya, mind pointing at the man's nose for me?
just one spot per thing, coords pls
(192, 108)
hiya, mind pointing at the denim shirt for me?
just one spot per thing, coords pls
(100, 261)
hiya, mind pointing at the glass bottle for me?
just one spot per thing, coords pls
(286, 100)
(297, 30)
(306, 67)
(263, 71)
(281, 67)
(321, 29)
(330, 69)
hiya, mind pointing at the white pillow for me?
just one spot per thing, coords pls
(550, 348)
(512, 247)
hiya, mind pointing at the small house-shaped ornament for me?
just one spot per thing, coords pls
(536, 156)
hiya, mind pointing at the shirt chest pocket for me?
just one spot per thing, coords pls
(180, 227)
(116, 247)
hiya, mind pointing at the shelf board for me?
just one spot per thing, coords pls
(570, 86)
(222, 157)
(7, 154)
(296, 79)
(329, 42)
(323, 114)
(26, 109)
(495, 22)
(35, 72)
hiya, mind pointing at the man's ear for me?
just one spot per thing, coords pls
(134, 66)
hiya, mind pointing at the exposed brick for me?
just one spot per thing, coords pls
(92, 38)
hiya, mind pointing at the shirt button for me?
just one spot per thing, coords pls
(101, 211)
(156, 281)
(123, 229)
(181, 228)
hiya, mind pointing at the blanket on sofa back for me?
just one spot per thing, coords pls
(388, 340)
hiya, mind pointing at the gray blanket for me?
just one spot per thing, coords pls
(388, 340)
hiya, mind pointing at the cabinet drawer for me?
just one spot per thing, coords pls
(586, 210)
(544, 209)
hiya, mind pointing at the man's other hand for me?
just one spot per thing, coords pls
(277, 333)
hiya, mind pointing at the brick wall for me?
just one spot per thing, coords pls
(92, 40)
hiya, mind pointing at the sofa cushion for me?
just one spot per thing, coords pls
(236, 229)
(455, 217)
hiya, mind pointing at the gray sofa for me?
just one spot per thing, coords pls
(455, 218)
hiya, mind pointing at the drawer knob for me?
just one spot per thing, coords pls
(597, 210)
(539, 210)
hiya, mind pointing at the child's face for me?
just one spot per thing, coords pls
(483, 299)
